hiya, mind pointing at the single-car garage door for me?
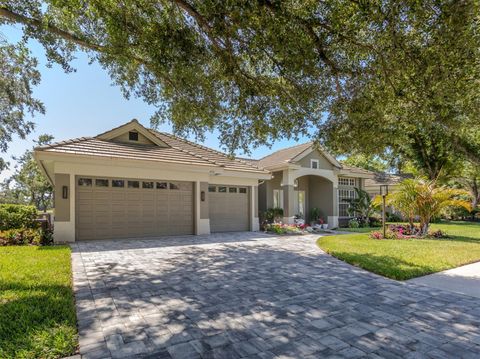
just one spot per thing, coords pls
(228, 207)
(109, 208)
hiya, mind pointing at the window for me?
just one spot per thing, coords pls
(101, 182)
(343, 181)
(174, 186)
(133, 136)
(232, 190)
(343, 209)
(133, 184)
(344, 197)
(314, 164)
(212, 189)
(242, 190)
(222, 189)
(162, 185)
(147, 185)
(346, 194)
(118, 183)
(277, 198)
(85, 182)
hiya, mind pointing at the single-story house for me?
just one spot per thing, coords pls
(134, 182)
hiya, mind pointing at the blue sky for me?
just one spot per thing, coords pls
(85, 103)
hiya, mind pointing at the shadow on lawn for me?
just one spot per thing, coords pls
(238, 299)
(390, 267)
(37, 321)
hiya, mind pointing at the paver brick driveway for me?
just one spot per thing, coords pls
(251, 295)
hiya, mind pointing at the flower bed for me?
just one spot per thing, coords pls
(403, 231)
(280, 228)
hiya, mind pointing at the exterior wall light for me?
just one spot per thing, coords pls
(64, 192)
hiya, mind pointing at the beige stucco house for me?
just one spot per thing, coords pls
(133, 182)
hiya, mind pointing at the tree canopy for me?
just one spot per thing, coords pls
(360, 76)
(28, 185)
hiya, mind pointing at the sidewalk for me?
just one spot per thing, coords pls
(464, 280)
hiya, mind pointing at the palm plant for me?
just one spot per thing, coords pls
(362, 206)
(423, 198)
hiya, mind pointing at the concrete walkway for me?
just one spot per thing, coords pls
(464, 280)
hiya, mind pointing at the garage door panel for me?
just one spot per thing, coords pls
(116, 212)
(228, 211)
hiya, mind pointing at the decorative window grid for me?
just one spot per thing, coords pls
(344, 197)
(343, 181)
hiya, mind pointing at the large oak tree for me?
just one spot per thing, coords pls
(363, 76)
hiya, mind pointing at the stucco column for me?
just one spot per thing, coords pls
(64, 223)
(254, 221)
(288, 204)
(333, 219)
(202, 218)
(288, 195)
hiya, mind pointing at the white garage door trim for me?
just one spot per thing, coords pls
(109, 208)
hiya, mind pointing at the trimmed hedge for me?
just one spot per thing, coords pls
(15, 216)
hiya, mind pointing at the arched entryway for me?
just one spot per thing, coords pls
(311, 191)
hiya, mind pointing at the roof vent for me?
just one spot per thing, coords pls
(133, 136)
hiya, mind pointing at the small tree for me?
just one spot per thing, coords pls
(425, 199)
(362, 206)
(28, 184)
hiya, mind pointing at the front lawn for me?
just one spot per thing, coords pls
(405, 259)
(37, 313)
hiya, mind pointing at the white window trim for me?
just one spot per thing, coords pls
(312, 161)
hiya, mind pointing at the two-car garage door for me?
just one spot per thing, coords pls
(126, 208)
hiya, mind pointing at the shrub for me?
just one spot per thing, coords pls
(376, 235)
(375, 222)
(47, 237)
(24, 236)
(393, 217)
(16, 216)
(353, 223)
(280, 228)
(273, 214)
(438, 234)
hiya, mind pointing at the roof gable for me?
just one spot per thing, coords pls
(294, 154)
(321, 151)
(120, 134)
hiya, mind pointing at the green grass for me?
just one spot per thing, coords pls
(405, 259)
(359, 230)
(37, 313)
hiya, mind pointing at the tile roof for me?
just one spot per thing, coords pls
(283, 156)
(179, 151)
(386, 178)
(357, 169)
(207, 153)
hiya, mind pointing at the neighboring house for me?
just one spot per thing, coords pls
(372, 185)
(133, 182)
(304, 177)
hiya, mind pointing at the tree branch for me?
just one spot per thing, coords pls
(14, 17)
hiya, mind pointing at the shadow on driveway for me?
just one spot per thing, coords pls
(257, 296)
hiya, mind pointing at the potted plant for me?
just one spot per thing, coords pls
(314, 216)
(324, 225)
